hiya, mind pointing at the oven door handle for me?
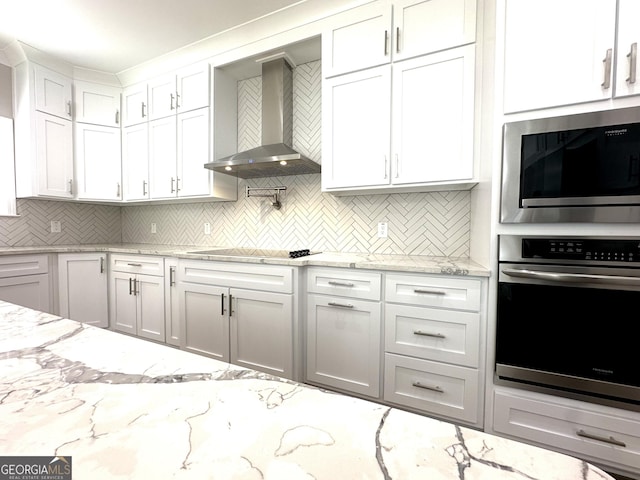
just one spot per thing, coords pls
(572, 277)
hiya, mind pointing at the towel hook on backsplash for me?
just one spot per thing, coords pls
(270, 192)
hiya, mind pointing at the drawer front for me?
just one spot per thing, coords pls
(430, 291)
(19, 265)
(144, 264)
(433, 334)
(570, 429)
(344, 283)
(270, 278)
(432, 387)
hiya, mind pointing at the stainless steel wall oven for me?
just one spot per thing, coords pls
(568, 317)
(575, 168)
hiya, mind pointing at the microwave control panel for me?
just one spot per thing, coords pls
(599, 250)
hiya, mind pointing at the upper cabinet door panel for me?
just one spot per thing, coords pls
(193, 88)
(627, 71)
(53, 92)
(428, 26)
(135, 105)
(359, 40)
(97, 104)
(555, 52)
(162, 97)
(54, 156)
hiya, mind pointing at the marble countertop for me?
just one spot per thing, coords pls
(127, 408)
(403, 263)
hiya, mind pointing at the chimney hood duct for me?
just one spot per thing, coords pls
(275, 157)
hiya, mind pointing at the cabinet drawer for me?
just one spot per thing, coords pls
(541, 419)
(19, 265)
(430, 291)
(344, 283)
(445, 390)
(433, 334)
(270, 278)
(138, 264)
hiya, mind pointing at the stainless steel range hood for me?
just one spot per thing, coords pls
(275, 157)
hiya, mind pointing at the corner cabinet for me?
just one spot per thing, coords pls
(43, 132)
(82, 287)
(401, 118)
(239, 313)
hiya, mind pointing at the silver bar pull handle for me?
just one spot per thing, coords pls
(342, 305)
(386, 43)
(172, 276)
(172, 99)
(135, 287)
(117, 117)
(177, 184)
(386, 166)
(69, 107)
(571, 277)
(599, 438)
(71, 186)
(134, 264)
(144, 113)
(173, 188)
(397, 166)
(428, 334)
(340, 284)
(130, 286)
(430, 292)
(230, 304)
(633, 63)
(144, 187)
(177, 100)
(118, 190)
(397, 39)
(433, 388)
(101, 264)
(607, 69)
(222, 304)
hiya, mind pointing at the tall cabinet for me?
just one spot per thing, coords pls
(400, 117)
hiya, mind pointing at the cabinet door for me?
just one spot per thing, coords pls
(433, 111)
(361, 40)
(171, 303)
(83, 287)
(135, 162)
(261, 331)
(149, 291)
(627, 71)
(564, 64)
(162, 158)
(343, 344)
(356, 129)
(54, 153)
(98, 162)
(193, 153)
(30, 291)
(204, 320)
(134, 105)
(97, 104)
(53, 92)
(123, 303)
(426, 26)
(162, 97)
(193, 88)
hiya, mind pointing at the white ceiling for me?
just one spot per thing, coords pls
(114, 35)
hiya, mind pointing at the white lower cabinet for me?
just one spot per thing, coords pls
(599, 434)
(344, 330)
(432, 345)
(24, 280)
(243, 314)
(137, 304)
(82, 287)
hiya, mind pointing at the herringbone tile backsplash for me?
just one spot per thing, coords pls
(419, 223)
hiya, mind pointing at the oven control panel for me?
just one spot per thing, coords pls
(599, 250)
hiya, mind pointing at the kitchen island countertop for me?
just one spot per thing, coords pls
(127, 408)
(401, 263)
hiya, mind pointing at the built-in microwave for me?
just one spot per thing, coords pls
(576, 168)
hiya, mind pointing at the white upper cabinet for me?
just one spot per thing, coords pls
(560, 53)
(162, 158)
(135, 105)
(627, 72)
(135, 162)
(377, 34)
(98, 162)
(97, 104)
(54, 159)
(186, 90)
(192, 153)
(52, 92)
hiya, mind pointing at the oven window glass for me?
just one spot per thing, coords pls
(584, 332)
(599, 161)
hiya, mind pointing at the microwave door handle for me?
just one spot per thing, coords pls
(572, 277)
